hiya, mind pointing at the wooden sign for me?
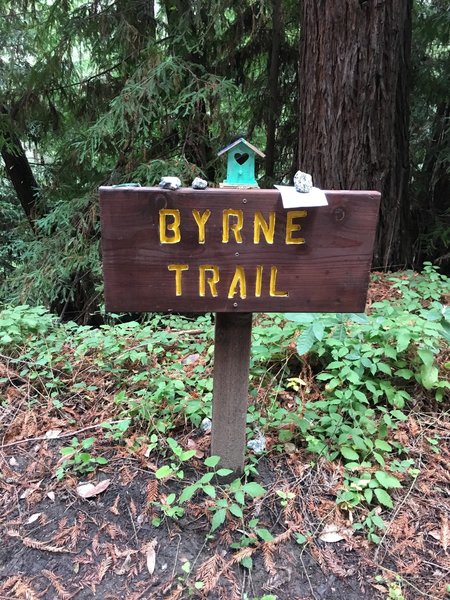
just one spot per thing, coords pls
(234, 251)
(224, 250)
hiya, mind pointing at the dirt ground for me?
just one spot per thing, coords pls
(56, 544)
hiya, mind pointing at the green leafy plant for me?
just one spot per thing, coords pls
(77, 460)
(169, 508)
(367, 366)
(233, 501)
(116, 431)
(394, 589)
(179, 456)
(285, 497)
(21, 322)
(371, 525)
(204, 483)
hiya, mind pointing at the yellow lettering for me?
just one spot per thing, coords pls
(291, 226)
(211, 281)
(174, 227)
(258, 282)
(238, 279)
(178, 270)
(201, 222)
(273, 284)
(235, 228)
(260, 224)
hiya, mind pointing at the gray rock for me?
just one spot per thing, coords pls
(170, 183)
(258, 445)
(199, 184)
(206, 425)
(303, 182)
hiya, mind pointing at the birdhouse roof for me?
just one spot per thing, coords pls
(241, 141)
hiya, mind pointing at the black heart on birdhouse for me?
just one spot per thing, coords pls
(241, 158)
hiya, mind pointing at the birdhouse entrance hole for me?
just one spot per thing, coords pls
(241, 158)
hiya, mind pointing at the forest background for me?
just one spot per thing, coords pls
(349, 495)
(106, 92)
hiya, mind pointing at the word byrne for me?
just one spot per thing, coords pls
(232, 223)
(170, 232)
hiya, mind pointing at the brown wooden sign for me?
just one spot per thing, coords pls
(223, 250)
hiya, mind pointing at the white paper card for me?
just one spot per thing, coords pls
(293, 199)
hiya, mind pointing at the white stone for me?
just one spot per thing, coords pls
(170, 183)
(258, 444)
(206, 425)
(303, 182)
(199, 184)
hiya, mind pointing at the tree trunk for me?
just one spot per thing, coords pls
(19, 172)
(273, 88)
(432, 213)
(191, 48)
(354, 113)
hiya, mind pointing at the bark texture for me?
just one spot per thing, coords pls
(272, 87)
(19, 171)
(354, 113)
(432, 203)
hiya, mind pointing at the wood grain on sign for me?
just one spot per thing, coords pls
(198, 251)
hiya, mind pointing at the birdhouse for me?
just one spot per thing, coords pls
(240, 164)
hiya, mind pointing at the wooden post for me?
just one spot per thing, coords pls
(230, 392)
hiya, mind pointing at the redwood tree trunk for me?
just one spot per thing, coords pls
(19, 172)
(272, 87)
(354, 113)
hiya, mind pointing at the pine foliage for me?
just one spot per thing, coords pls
(104, 92)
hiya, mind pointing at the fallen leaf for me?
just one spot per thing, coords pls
(191, 445)
(191, 359)
(114, 508)
(125, 566)
(444, 532)
(52, 434)
(33, 518)
(51, 495)
(88, 490)
(30, 490)
(335, 533)
(27, 493)
(380, 588)
(289, 448)
(150, 555)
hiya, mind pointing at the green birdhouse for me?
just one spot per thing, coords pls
(240, 164)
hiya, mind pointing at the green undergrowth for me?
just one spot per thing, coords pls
(332, 385)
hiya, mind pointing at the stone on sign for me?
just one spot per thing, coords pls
(170, 183)
(199, 184)
(303, 182)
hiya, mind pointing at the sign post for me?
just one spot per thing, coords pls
(234, 252)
